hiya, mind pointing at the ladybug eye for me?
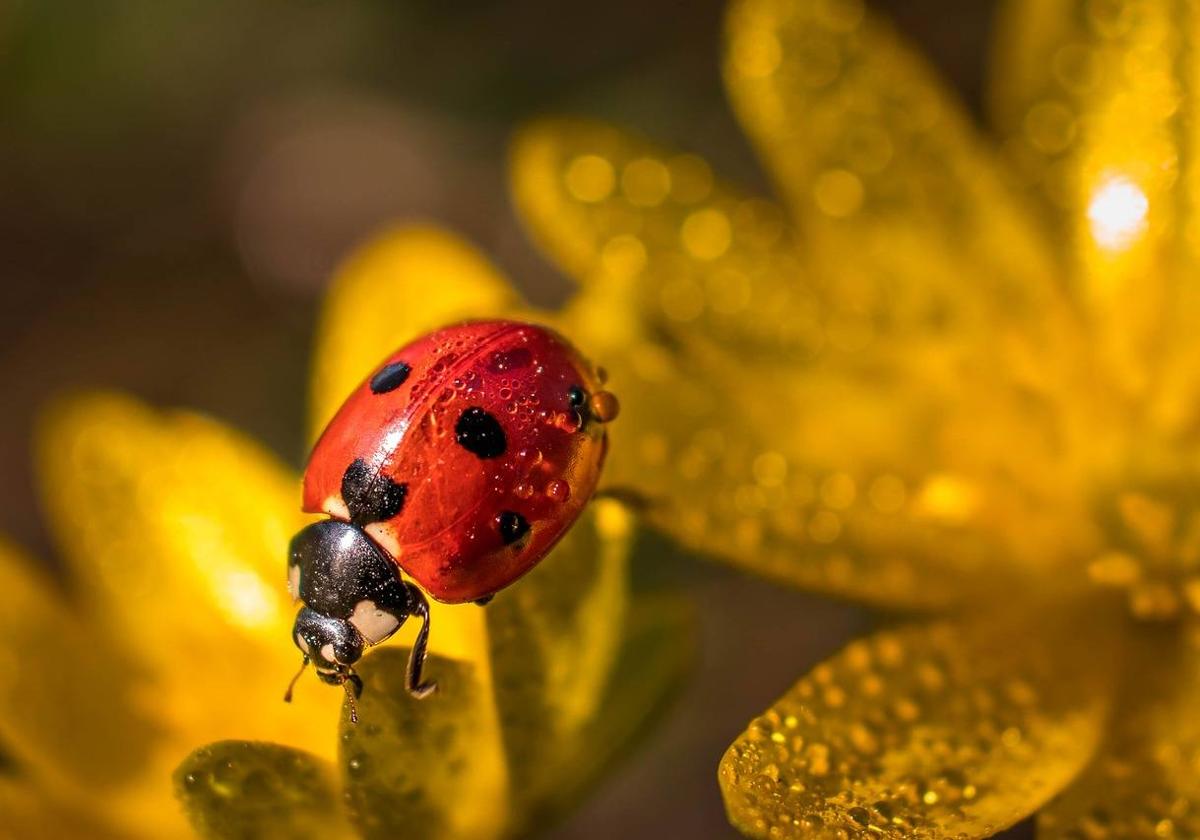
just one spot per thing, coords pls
(577, 396)
(512, 526)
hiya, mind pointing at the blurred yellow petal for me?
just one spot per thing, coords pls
(1099, 101)
(554, 639)
(436, 763)
(242, 789)
(669, 244)
(1145, 783)
(950, 730)
(176, 529)
(657, 649)
(734, 448)
(402, 283)
(29, 813)
(903, 207)
(549, 647)
(839, 481)
(65, 705)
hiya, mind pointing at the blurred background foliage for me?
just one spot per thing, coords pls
(177, 181)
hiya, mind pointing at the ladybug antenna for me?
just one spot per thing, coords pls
(287, 695)
(353, 686)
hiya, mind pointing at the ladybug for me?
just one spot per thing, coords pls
(460, 461)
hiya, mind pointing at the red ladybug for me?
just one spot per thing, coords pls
(461, 460)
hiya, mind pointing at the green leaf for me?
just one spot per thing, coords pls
(430, 768)
(246, 789)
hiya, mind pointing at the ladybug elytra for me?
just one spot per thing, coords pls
(460, 461)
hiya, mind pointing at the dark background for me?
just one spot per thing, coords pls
(178, 179)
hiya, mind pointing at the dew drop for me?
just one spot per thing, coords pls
(558, 491)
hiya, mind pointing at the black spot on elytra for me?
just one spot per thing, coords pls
(371, 496)
(390, 377)
(577, 396)
(480, 433)
(512, 526)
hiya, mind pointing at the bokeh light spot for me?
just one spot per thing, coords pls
(1117, 213)
(590, 178)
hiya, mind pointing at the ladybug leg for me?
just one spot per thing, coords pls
(287, 695)
(419, 607)
(353, 685)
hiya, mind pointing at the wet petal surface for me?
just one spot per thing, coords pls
(949, 730)
(238, 790)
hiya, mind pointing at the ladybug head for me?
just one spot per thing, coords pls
(332, 646)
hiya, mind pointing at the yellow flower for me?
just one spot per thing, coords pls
(175, 631)
(929, 382)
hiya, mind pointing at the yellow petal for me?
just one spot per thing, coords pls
(176, 530)
(850, 469)
(657, 650)
(668, 243)
(554, 639)
(934, 731)
(235, 789)
(30, 812)
(400, 284)
(851, 482)
(1144, 783)
(439, 761)
(903, 208)
(436, 763)
(65, 705)
(1100, 101)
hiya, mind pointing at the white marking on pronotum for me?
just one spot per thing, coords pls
(294, 583)
(327, 652)
(302, 643)
(336, 508)
(385, 536)
(374, 624)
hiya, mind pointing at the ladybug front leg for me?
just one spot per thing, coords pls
(419, 607)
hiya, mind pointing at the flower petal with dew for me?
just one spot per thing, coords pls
(806, 455)
(1144, 782)
(953, 729)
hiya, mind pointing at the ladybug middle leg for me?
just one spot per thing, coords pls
(419, 607)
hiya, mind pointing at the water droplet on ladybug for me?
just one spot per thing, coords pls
(558, 491)
(604, 406)
(530, 455)
(505, 393)
(523, 490)
(569, 421)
